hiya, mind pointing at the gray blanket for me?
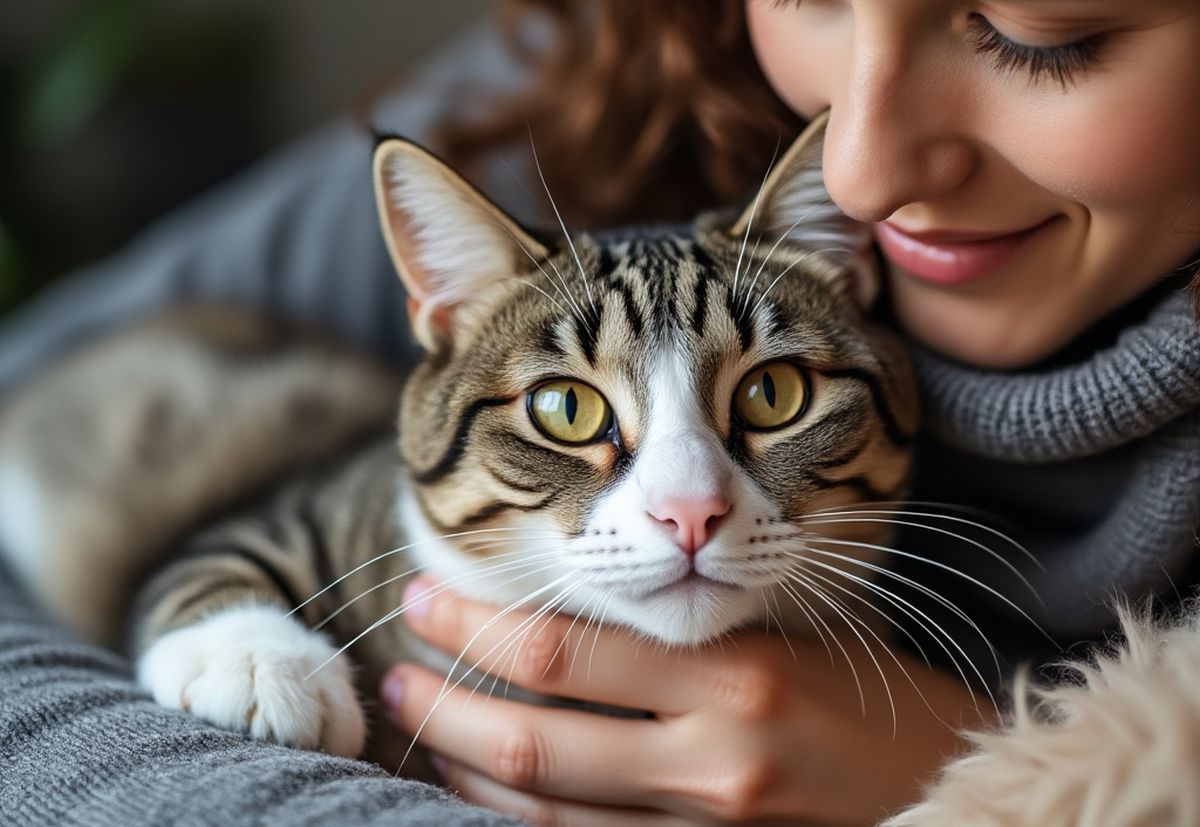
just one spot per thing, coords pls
(81, 744)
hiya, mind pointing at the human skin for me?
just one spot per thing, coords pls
(928, 132)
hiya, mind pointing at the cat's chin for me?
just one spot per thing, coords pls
(689, 612)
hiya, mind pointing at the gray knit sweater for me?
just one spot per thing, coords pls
(1090, 461)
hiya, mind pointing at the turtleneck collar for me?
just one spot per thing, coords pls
(1147, 377)
(1132, 407)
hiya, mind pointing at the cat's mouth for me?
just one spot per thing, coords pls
(694, 583)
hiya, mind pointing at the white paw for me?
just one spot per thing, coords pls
(247, 668)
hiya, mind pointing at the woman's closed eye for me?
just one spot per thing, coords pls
(1062, 63)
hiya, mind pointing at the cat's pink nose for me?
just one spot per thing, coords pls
(693, 521)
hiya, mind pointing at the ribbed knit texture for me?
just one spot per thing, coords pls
(1133, 409)
(81, 744)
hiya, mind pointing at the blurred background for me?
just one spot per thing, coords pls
(114, 111)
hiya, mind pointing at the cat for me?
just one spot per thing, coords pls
(651, 420)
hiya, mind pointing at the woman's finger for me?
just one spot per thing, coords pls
(560, 655)
(543, 810)
(565, 753)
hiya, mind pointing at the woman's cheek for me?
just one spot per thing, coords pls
(1115, 141)
(800, 66)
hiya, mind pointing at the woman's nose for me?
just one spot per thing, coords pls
(896, 131)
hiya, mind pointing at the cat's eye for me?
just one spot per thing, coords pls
(771, 396)
(569, 411)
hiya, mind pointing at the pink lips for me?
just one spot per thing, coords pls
(950, 257)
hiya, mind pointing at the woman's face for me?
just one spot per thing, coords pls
(1032, 164)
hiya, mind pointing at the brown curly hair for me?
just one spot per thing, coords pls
(641, 110)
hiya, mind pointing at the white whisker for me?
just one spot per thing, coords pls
(492, 567)
(818, 516)
(443, 693)
(788, 269)
(750, 221)
(394, 613)
(892, 621)
(920, 587)
(791, 592)
(925, 622)
(940, 565)
(562, 224)
(401, 549)
(847, 615)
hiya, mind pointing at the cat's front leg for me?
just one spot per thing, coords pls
(215, 638)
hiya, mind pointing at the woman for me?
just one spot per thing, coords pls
(1031, 168)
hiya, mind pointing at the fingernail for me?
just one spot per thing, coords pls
(439, 764)
(416, 607)
(393, 691)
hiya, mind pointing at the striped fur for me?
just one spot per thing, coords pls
(226, 520)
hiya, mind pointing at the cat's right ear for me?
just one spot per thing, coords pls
(446, 239)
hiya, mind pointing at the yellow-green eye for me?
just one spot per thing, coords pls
(569, 411)
(771, 396)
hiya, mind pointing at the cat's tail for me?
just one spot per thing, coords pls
(114, 453)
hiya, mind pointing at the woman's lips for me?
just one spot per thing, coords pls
(951, 257)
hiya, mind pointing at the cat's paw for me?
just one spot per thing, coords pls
(247, 669)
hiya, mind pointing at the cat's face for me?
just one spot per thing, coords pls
(637, 424)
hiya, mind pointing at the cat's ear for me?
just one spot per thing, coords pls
(793, 208)
(446, 239)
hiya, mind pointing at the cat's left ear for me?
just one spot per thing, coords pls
(793, 208)
(446, 239)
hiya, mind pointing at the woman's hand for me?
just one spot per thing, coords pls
(743, 730)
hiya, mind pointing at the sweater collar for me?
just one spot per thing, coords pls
(1143, 377)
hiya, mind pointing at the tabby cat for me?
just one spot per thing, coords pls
(630, 426)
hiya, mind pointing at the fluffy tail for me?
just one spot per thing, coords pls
(111, 455)
(1117, 747)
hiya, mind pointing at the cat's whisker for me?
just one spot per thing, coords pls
(560, 289)
(858, 597)
(596, 637)
(817, 518)
(543, 292)
(849, 617)
(750, 221)
(575, 619)
(448, 687)
(908, 635)
(504, 657)
(995, 555)
(499, 562)
(899, 506)
(788, 269)
(562, 224)
(767, 258)
(925, 623)
(394, 613)
(524, 638)
(809, 615)
(940, 565)
(593, 610)
(819, 623)
(778, 622)
(400, 550)
(920, 587)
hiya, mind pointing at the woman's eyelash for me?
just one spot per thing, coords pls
(1059, 63)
